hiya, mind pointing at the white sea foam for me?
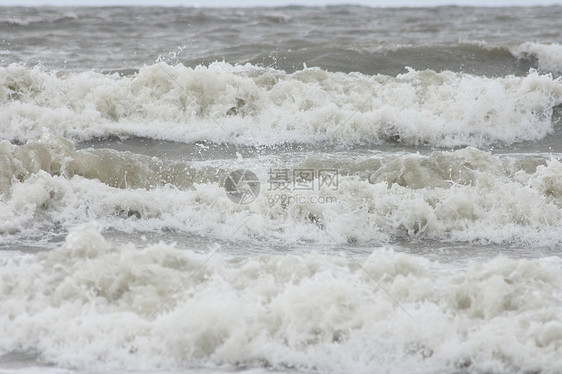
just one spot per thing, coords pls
(465, 195)
(58, 156)
(87, 304)
(549, 56)
(251, 105)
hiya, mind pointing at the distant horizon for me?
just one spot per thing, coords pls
(281, 3)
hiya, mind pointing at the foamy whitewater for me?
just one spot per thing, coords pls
(409, 211)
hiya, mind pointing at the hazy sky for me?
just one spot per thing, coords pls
(278, 2)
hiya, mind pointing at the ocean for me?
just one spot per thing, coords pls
(338, 189)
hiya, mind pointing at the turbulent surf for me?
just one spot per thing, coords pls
(295, 190)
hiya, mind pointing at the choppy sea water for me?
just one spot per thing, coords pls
(297, 190)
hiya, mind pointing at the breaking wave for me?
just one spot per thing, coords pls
(253, 105)
(464, 195)
(88, 305)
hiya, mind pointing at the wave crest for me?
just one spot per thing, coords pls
(251, 105)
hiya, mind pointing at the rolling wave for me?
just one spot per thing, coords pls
(93, 302)
(466, 195)
(251, 105)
